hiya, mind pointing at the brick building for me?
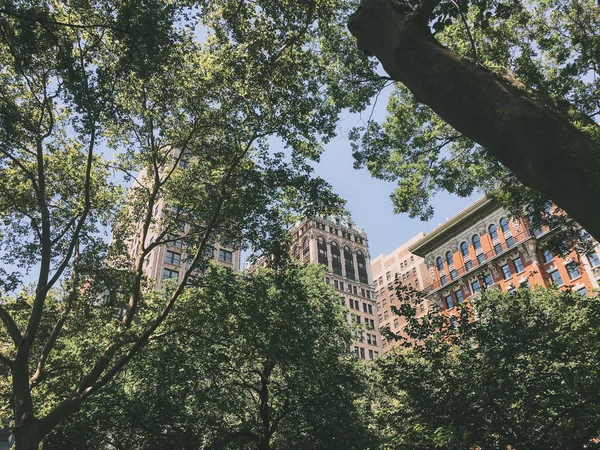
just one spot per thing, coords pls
(409, 269)
(483, 246)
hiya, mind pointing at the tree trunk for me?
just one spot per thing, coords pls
(545, 151)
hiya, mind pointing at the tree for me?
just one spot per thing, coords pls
(517, 78)
(81, 78)
(512, 370)
(254, 362)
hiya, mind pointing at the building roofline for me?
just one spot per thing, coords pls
(404, 246)
(457, 222)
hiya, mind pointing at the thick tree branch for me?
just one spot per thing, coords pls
(11, 326)
(544, 150)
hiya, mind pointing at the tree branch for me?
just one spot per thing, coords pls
(11, 326)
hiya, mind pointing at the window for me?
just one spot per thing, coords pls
(464, 249)
(388, 275)
(336, 259)
(380, 318)
(172, 257)
(476, 242)
(510, 241)
(524, 285)
(362, 268)
(475, 286)
(305, 248)
(395, 323)
(469, 264)
(573, 271)
(336, 284)
(459, 296)
(168, 273)
(370, 354)
(449, 259)
(209, 252)
(362, 353)
(225, 256)
(380, 281)
(385, 315)
(370, 309)
(357, 318)
(443, 280)
(322, 250)
(593, 259)
(372, 323)
(440, 263)
(504, 226)
(506, 271)
(363, 292)
(498, 248)
(489, 281)
(493, 232)
(341, 285)
(177, 243)
(448, 301)
(481, 258)
(374, 339)
(582, 291)
(453, 274)
(364, 307)
(556, 278)
(518, 265)
(355, 290)
(548, 256)
(412, 259)
(390, 287)
(349, 264)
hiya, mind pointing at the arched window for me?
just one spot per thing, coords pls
(349, 263)
(504, 225)
(476, 242)
(336, 259)
(296, 252)
(449, 258)
(464, 249)
(322, 250)
(440, 263)
(305, 249)
(362, 268)
(493, 232)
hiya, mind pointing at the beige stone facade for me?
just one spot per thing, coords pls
(337, 243)
(407, 268)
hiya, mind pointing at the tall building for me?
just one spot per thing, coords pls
(407, 268)
(483, 246)
(170, 260)
(342, 247)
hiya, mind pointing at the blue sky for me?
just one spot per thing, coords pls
(368, 199)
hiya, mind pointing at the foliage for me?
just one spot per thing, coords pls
(547, 48)
(514, 370)
(241, 361)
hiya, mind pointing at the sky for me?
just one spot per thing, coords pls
(368, 199)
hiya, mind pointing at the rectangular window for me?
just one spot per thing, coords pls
(364, 307)
(524, 285)
(489, 281)
(372, 323)
(362, 353)
(573, 271)
(380, 318)
(357, 318)
(459, 296)
(355, 290)
(341, 286)
(469, 264)
(390, 287)
(593, 259)
(518, 265)
(370, 354)
(582, 291)
(453, 274)
(380, 281)
(374, 339)
(168, 273)
(481, 257)
(475, 286)
(506, 271)
(556, 278)
(449, 302)
(225, 256)
(336, 284)
(510, 241)
(548, 256)
(388, 275)
(443, 280)
(385, 315)
(498, 248)
(362, 292)
(395, 323)
(172, 257)
(370, 308)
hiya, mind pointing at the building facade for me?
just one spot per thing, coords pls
(407, 268)
(484, 246)
(342, 247)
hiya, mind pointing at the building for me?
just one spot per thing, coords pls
(169, 260)
(483, 246)
(342, 247)
(407, 268)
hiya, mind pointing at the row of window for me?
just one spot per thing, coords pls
(339, 285)
(368, 322)
(174, 258)
(360, 352)
(476, 242)
(345, 234)
(355, 304)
